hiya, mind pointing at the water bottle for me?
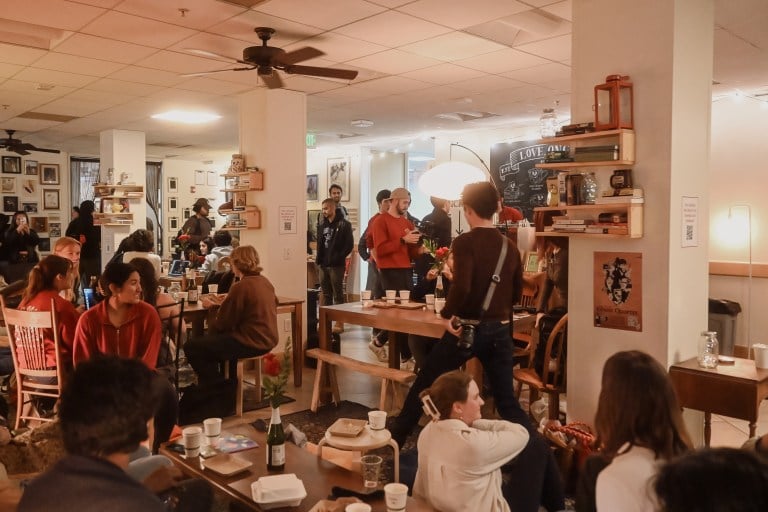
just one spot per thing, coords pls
(708, 349)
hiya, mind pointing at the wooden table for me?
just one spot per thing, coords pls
(196, 314)
(731, 390)
(317, 474)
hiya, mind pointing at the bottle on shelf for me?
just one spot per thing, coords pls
(708, 350)
(275, 442)
(439, 289)
(588, 188)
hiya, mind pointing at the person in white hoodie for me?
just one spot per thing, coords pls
(223, 241)
(460, 454)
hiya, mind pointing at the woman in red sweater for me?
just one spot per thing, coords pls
(124, 325)
(46, 279)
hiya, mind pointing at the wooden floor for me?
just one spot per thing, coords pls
(361, 388)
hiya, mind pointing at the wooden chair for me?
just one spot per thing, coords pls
(35, 378)
(240, 376)
(552, 380)
(224, 264)
(172, 340)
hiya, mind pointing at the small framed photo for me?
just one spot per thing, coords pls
(338, 174)
(173, 223)
(8, 185)
(199, 177)
(211, 178)
(30, 167)
(29, 187)
(45, 245)
(187, 213)
(12, 164)
(312, 183)
(49, 174)
(11, 204)
(54, 229)
(29, 207)
(50, 199)
(173, 185)
(173, 204)
(39, 224)
(531, 262)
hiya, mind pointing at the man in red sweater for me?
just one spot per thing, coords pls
(396, 242)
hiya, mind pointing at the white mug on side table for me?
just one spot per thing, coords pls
(396, 496)
(377, 420)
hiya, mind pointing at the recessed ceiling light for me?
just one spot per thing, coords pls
(361, 123)
(187, 117)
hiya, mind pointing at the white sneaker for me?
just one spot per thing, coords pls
(379, 351)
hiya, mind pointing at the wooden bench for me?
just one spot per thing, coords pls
(327, 361)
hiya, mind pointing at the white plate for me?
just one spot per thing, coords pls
(227, 464)
(278, 491)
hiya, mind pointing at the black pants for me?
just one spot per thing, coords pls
(206, 354)
(167, 409)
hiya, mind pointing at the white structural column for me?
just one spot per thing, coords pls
(272, 137)
(666, 49)
(123, 151)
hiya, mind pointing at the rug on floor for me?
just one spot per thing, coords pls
(251, 404)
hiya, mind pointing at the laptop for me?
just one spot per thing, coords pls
(89, 297)
(178, 268)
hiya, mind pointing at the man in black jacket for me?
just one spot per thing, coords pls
(334, 243)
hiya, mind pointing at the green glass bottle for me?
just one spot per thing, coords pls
(275, 442)
(439, 289)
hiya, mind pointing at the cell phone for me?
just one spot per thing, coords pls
(176, 447)
(89, 297)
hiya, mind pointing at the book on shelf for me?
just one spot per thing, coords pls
(596, 149)
(605, 156)
(567, 221)
(619, 200)
(625, 192)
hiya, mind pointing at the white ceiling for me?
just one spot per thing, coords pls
(113, 63)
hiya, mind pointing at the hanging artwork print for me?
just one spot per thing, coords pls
(338, 174)
(618, 290)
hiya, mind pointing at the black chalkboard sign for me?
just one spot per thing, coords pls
(513, 171)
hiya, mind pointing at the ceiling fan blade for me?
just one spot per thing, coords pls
(299, 55)
(18, 150)
(205, 53)
(203, 73)
(272, 80)
(344, 74)
(45, 150)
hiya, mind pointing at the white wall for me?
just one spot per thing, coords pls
(738, 163)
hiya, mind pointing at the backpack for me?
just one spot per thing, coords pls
(216, 400)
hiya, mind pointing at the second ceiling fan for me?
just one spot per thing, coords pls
(267, 59)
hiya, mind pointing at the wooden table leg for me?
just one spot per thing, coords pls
(297, 316)
(394, 350)
(752, 428)
(707, 428)
(324, 342)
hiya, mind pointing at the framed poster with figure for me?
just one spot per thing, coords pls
(50, 199)
(30, 167)
(12, 165)
(338, 174)
(49, 174)
(312, 183)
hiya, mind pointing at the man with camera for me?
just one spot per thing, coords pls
(470, 332)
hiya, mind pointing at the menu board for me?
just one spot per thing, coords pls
(513, 171)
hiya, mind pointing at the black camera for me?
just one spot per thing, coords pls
(466, 339)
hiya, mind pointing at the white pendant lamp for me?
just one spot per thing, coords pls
(447, 180)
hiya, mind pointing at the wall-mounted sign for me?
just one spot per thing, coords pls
(618, 290)
(287, 216)
(690, 222)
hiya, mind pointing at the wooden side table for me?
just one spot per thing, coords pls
(366, 441)
(730, 390)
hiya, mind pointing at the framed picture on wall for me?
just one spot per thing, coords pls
(173, 204)
(12, 165)
(50, 199)
(29, 207)
(531, 262)
(39, 224)
(199, 177)
(173, 185)
(338, 174)
(54, 229)
(211, 178)
(312, 184)
(29, 187)
(10, 204)
(173, 223)
(187, 213)
(8, 185)
(30, 167)
(49, 174)
(45, 244)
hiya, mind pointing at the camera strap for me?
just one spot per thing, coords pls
(495, 278)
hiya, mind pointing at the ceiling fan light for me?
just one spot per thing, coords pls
(187, 117)
(447, 180)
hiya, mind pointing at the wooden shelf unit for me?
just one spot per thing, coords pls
(109, 194)
(623, 138)
(112, 219)
(237, 185)
(634, 212)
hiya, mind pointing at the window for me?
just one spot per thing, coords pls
(84, 172)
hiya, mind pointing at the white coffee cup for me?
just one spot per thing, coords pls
(396, 496)
(405, 295)
(760, 350)
(377, 420)
(365, 294)
(212, 429)
(213, 288)
(430, 298)
(358, 507)
(192, 438)
(391, 294)
(439, 305)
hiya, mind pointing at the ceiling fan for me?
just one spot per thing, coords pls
(266, 59)
(19, 147)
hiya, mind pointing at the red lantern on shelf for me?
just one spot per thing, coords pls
(613, 103)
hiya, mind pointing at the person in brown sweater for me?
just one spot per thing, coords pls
(245, 324)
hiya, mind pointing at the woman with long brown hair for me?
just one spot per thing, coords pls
(47, 279)
(639, 426)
